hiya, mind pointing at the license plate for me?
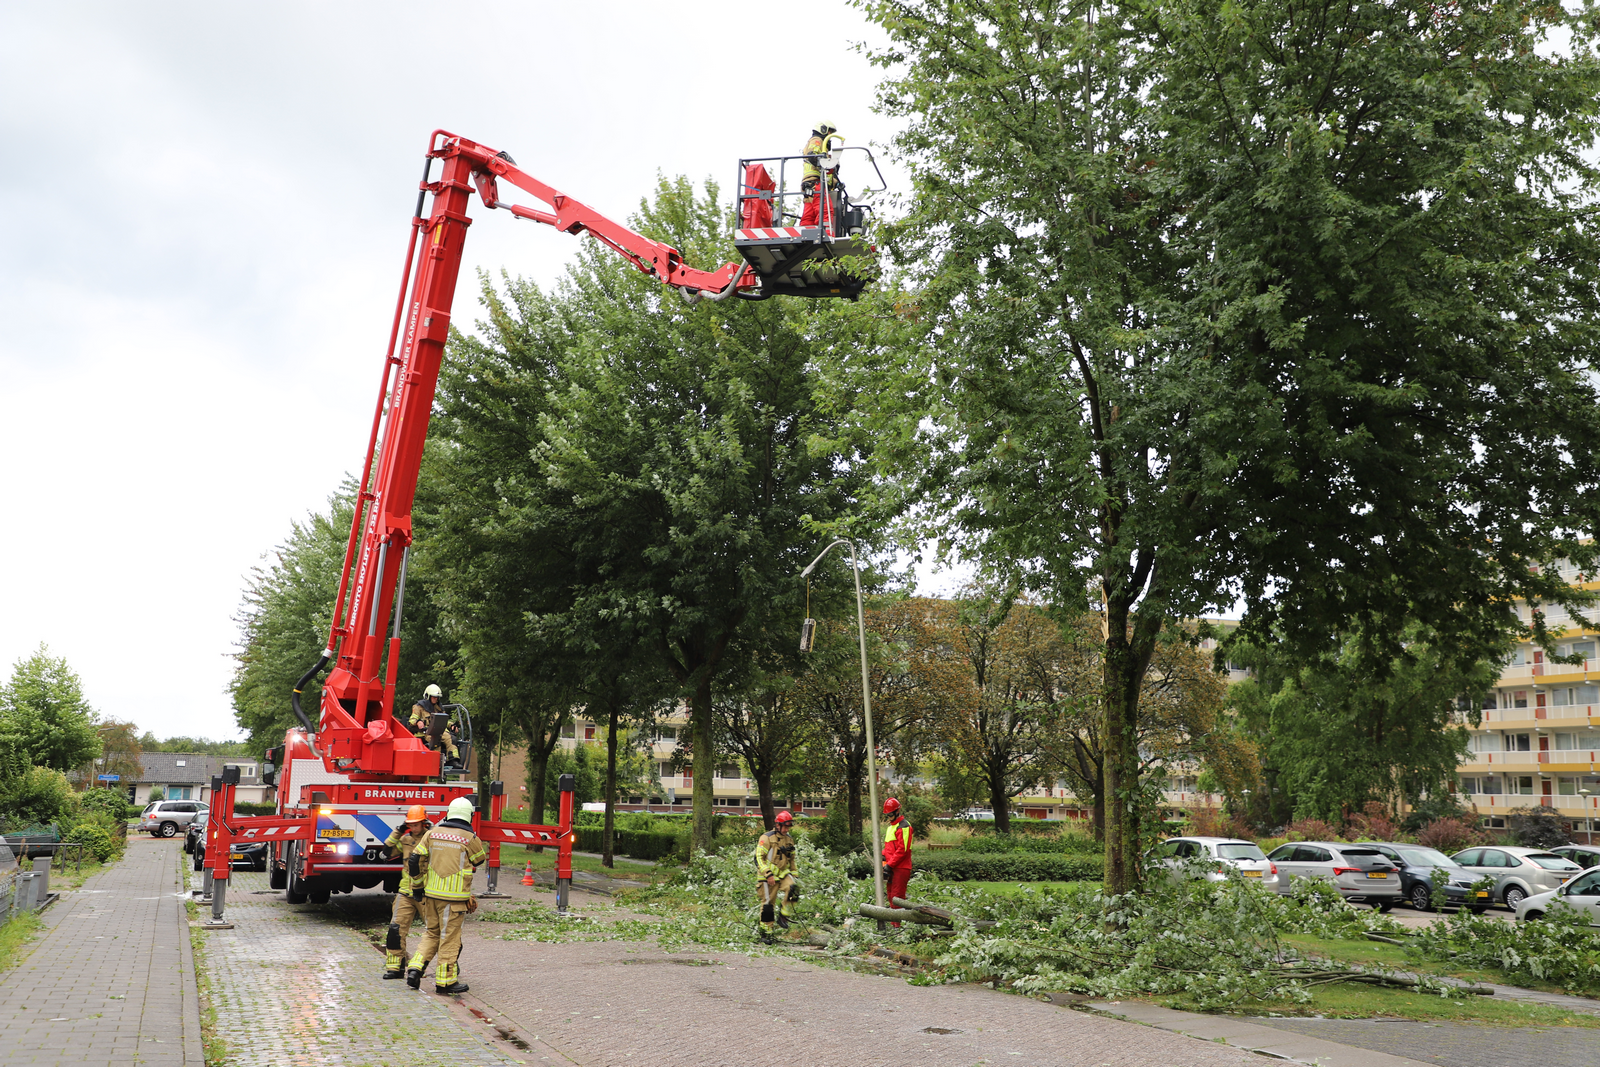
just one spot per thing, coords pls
(238, 856)
(1252, 874)
(1376, 874)
(1483, 894)
(337, 833)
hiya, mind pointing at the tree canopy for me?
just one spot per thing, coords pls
(1234, 300)
(44, 716)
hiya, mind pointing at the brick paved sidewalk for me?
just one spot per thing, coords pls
(1456, 1044)
(301, 985)
(111, 981)
(605, 1003)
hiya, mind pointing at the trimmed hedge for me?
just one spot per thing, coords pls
(998, 867)
(1019, 825)
(242, 808)
(640, 845)
(989, 844)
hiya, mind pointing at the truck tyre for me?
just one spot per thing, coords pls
(319, 894)
(277, 876)
(199, 859)
(295, 889)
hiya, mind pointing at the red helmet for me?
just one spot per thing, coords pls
(784, 818)
(891, 806)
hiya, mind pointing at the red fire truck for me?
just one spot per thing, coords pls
(345, 782)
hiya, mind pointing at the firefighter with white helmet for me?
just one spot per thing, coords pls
(441, 868)
(402, 842)
(422, 715)
(811, 184)
(775, 871)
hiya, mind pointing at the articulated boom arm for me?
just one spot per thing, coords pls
(568, 215)
(359, 734)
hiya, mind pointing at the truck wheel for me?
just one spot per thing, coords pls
(295, 889)
(199, 859)
(277, 877)
(169, 829)
(319, 895)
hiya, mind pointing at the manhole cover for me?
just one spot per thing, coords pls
(939, 1030)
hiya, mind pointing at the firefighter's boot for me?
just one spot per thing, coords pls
(414, 977)
(447, 980)
(394, 964)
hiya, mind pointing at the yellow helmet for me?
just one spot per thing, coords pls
(824, 127)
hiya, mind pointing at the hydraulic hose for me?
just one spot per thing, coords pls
(299, 686)
(694, 298)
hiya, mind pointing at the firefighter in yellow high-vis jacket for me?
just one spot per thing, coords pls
(402, 842)
(775, 871)
(441, 868)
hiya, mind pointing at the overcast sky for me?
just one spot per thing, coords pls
(208, 209)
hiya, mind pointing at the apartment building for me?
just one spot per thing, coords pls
(1538, 740)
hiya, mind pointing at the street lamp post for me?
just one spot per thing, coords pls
(866, 707)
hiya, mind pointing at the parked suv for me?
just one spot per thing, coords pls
(1361, 873)
(165, 817)
(1518, 872)
(1220, 855)
(1424, 869)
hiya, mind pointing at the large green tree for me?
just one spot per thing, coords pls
(1356, 724)
(44, 716)
(1292, 303)
(283, 625)
(659, 472)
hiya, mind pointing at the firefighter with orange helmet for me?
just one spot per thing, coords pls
(775, 871)
(896, 851)
(406, 910)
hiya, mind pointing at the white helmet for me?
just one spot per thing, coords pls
(460, 808)
(433, 691)
(824, 127)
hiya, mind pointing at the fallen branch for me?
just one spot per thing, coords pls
(921, 914)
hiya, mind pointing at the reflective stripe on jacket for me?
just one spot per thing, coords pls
(446, 858)
(897, 843)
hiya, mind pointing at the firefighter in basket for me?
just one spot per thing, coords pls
(775, 871)
(422, 715)
(811, 184)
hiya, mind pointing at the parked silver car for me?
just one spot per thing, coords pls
(1584, 856)
(1361, 873)
(1581, 893)
(1219, 856)
(164, 818)
(1518, 872)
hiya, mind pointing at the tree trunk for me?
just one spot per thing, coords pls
(1098, 813)
(538, 762)
(999, 802)
(1126, 660)
(763, 777)
(705, 757)
(853, 788)
(606, 836)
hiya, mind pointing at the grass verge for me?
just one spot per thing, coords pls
(15, 936)
(215, 1049)
(1370, 1002)
(514, 860)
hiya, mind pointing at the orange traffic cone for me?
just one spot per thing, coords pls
(527, 875)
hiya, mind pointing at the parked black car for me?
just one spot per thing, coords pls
(252, 856)
(1422, 868)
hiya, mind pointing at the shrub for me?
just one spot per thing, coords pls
(156, 794)
(1537, 827)
(1429, 809)
(834, 834)
(1031, 843)
(1451, 835)
(95, 839)
(1312, 830)
(241, 807)
(1214, 822)
(637, 844)
(920, 810)
(1374, 824)
(37, 795)
(997, 867)
(109, 801)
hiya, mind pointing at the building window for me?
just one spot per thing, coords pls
(1469, 786)
(1566, 742)
(1489, 701)
(729, 770)
(1485, 742)
(1566, 787)
(1521, 784)
(569, 730)
(1496, 822)
(1489, 784)
(1517, 743)
(815, 805)
(667, 733)
(180, 792)
(1520, 700)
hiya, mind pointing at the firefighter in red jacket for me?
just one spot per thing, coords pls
(896, 852)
